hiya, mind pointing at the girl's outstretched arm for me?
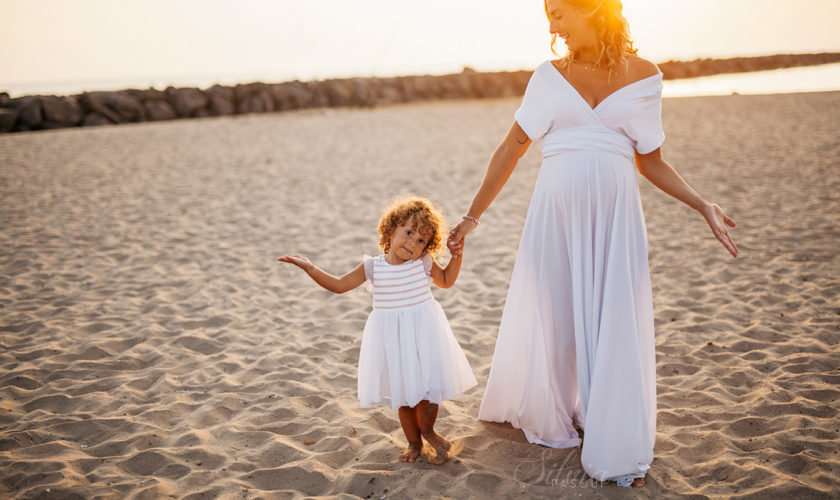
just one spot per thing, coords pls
(332, 283)
(445, 277)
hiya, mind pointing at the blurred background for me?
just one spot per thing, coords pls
(66, 47)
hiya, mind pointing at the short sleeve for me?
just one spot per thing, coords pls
(427, 263)
(534, 115)
(645, 129)
(368, 263)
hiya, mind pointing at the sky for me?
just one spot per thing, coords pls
(57, 44)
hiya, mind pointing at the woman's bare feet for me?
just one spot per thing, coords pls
(411, 453)
(638, 482)
(440, 445)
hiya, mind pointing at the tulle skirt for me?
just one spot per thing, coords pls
(408, 355)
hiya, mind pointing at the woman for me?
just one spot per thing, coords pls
(575, 344)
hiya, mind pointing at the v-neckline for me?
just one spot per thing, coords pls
(605, 99)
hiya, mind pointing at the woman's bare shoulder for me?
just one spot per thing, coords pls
(639, 67)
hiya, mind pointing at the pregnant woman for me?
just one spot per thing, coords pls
(575, 345)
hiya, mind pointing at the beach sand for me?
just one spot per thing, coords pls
(152, 347)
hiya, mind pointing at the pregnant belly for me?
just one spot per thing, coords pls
(587, 173)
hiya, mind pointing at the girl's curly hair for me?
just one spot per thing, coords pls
(607, 18)
(426, 217)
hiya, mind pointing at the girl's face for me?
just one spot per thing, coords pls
(407, 243)
(569, 23)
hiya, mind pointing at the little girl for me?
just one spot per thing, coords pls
(409, 357)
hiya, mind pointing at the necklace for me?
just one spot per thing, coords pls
(589, 68)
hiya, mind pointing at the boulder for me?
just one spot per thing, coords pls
(290, 95)
(338, 92)
(4, 99)
(99, 103)
(318, 97)
(127, 106)
(222, 100)
(94, 119)
(157, 109)
(186, 101)
(30, 113)
(60, 111)
(253, 98)
(8, 117)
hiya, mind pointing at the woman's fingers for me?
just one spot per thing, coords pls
(728, 221)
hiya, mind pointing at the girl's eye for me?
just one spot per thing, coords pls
(408, 232)
(422, 241)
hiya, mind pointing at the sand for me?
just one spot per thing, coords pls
(151, 346)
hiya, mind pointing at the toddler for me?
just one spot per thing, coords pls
(409, 356)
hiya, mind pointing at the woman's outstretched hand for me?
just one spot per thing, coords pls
(298, 260)
(718, 221)
(456, 236)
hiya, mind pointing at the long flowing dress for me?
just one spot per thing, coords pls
(575, 344)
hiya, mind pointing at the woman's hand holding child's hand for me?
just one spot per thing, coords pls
(456, 247)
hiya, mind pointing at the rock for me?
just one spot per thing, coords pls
(390, 91)
(8, 117)
(154, 103)
(4, 99)
(186, 101)
(60, 111)
(159, 110)
(455, 86)
(222, 100)
(98, 103)
(339, 92)
(127, 106)
(253, 98)
(150, 94)
(94, 119)
(29, 110)
(290, 95)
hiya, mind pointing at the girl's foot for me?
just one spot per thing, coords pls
(440, 445)
(411, 453)
(638, 482)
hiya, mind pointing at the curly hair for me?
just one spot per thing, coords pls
(607, 18)
(426, 217)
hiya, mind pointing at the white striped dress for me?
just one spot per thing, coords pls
(409, 352)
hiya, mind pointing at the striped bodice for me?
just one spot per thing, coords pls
(403, 285)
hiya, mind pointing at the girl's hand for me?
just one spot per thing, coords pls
(298, 260)
(456, 236)
(718, 221)
(456, 248)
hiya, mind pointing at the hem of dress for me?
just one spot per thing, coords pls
(532, 438)
(437, 401)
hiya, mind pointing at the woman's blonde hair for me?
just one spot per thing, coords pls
(426, 217)
(607, 18)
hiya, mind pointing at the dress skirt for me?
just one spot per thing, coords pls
(408, 355)
(575, 344)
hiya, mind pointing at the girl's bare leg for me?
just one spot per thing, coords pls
(411, 428)
(427, 414)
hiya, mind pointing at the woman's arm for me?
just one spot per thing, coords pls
(662, 175)
(501, 165)
(332, 283)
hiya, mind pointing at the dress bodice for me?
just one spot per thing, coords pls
(401, 285)
(629, 119)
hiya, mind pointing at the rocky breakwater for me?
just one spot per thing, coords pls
(41, 112)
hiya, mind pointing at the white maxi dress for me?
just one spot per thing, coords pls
(575, 343)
